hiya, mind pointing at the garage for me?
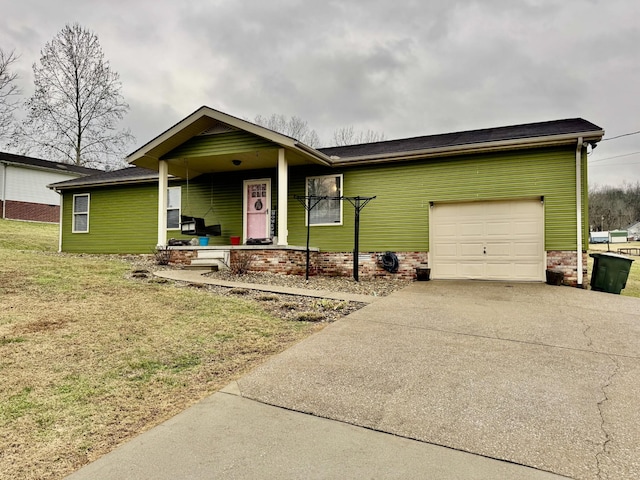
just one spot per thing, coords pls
(493, 240)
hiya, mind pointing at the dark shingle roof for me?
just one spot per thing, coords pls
(125, 175)
(361, 152)
(45, 164)
(486, 135)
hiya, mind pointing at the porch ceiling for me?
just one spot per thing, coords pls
(250, 160)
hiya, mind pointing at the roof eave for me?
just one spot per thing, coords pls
(43, 168)
(106, 183)
(484, 147)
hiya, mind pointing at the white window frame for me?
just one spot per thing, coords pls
(339, 193)
(179, 208)
(75, 213)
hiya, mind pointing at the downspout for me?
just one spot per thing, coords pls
(60, 228)
(4, 190)
(579, 207)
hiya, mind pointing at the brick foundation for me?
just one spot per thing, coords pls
(35, 212)
(341, 264)
(284, 262)
(182, 256)
(292, 261)
(567, 263)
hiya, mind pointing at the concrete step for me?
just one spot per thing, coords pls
(203, 268)
(214, 254)
(217, 263)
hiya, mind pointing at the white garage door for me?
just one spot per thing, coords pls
(488, 240)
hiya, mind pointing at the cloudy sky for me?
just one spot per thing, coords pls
(404, 68)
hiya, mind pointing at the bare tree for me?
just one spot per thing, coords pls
(76, 107)
(348, 136)
(8, 92)
(614, 207)
(293, 127)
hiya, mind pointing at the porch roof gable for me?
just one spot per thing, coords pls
(211, 140)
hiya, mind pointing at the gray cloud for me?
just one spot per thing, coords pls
(403, 68)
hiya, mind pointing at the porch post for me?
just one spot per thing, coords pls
(163, 183)
(283, 194)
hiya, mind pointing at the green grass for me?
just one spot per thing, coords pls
(42, 237)
(90, 357)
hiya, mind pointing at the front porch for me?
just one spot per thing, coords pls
(211, 144)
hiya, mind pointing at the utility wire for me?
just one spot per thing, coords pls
(617, 164)
(617, 156)
(620, 136)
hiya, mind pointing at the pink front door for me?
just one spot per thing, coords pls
(257, 206)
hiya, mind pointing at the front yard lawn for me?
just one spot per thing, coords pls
(89, 358)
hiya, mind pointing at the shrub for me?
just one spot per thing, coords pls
(241, 263)
(163, 255)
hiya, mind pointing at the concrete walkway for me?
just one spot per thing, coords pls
(195, 276)
(537, 376)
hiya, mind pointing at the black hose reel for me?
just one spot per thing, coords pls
(389, 262)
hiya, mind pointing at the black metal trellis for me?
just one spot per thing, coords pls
(309, 202)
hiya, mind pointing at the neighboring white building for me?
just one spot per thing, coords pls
(23, 187)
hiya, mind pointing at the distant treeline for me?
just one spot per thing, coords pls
(612, 208)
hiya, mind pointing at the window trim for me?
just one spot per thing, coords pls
(179, 207)
(75, 213)
(340, 194)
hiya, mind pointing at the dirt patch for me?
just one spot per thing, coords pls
(41, 326)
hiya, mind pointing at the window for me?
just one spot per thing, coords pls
(329, 211)
(174, 197)
(80, 213)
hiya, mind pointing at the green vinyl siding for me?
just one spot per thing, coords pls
(398, 218)
(219, 144)
(122, 219)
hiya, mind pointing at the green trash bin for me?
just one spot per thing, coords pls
(610, 272)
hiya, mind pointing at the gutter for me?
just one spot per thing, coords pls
(485, 147)
(325, 160)
(579, 208)
(109, 183)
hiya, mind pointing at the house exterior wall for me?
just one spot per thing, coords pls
(398, 218)
(122, 219)
(220, 144)
(30, 185)
(218, 199)
(26, 196)
(33, 212)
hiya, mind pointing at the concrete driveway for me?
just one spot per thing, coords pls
(472, 379)
(529, 373)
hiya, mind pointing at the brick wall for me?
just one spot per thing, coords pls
(36, 212)
(293, 262)
(567, 263)
(341, 264)
(182, 257)
(286, 262)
